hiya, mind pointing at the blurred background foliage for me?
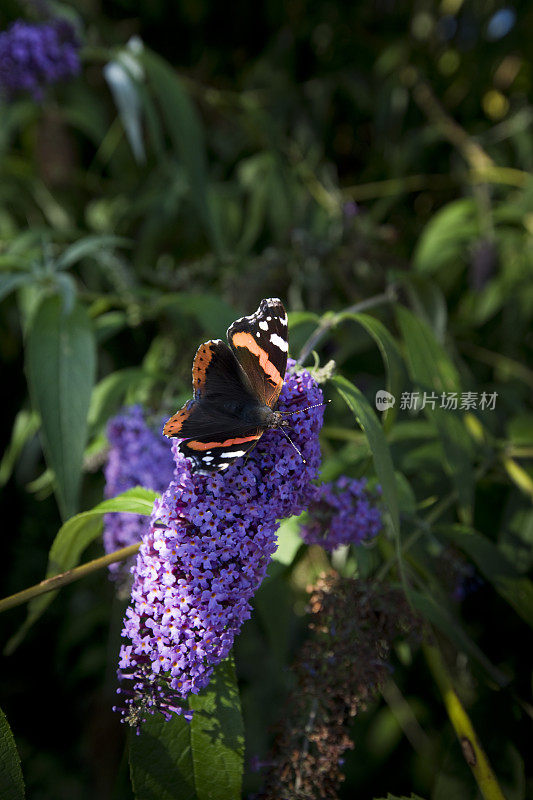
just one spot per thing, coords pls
(326, 153)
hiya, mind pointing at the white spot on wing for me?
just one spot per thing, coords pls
(235, 453)
(279, 342)
(263, 325)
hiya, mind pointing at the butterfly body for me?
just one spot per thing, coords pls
(235, 390)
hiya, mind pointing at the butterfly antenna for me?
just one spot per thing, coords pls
(284, 432)
(299, 411)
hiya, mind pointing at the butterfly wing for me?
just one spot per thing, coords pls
(260, 343)
(211, 423)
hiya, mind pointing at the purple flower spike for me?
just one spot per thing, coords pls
(208, 549)
(139, 456)
(343, 512)
(34, 56)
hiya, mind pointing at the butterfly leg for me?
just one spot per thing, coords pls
(247, 456)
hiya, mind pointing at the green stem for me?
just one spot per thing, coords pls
(473, 752)
(330, 321)
(64, 578)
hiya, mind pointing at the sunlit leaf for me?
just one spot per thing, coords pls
(200, 760)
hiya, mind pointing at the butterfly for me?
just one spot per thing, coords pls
(235, 390)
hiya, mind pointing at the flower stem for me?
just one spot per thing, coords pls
(472, 750)
(64, 578)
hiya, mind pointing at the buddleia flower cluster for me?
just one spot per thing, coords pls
(337, 672)
(207, 551)
(344, 512)
(33, 56)
(139, 455)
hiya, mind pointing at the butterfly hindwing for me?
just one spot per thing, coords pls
(208, 456)
(214, 431)
(260, 343)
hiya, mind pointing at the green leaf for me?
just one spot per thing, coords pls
(368, 421)
(25, 425)
(10, 282)
(89, 246)
(161, 766)
(390, 354)
(446, 236)
(289, 541)
(11, 780)
(186, 133)
(427, 301)
(217, 737)
(200, 760)
(74, 536)
(301, 317)
(402, 797)
(109, 393)
(439, 616)
(516, 589)
(121, 76)
(60, 365)
(433, 371)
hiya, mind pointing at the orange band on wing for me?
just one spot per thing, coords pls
(246, 340)
(174, 424)
(227, 443)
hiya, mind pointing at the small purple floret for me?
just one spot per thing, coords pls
(344, 512)
(139, 456)
(35, 56)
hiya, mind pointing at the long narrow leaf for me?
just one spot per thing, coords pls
(434, 373)
(186, 133)
(368, 421)
(60, 365)
(391, 356)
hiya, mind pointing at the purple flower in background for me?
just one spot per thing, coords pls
(343, 512)
(34, 56)
(139, 456)
(207, 551)
(350, 209)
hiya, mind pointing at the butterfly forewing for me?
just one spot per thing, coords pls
(260, 343)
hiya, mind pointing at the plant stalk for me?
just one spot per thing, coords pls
(64, 578)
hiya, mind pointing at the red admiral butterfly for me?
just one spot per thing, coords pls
(236, 389)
